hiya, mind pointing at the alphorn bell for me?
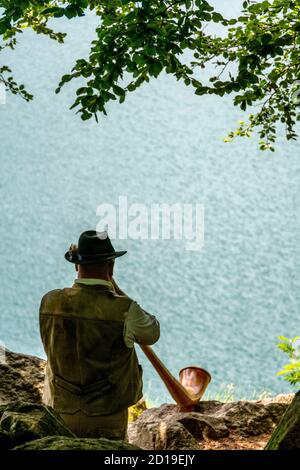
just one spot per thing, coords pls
(193, 381)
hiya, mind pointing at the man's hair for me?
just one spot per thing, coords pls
(100, 266)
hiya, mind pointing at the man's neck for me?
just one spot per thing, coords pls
(94, 276)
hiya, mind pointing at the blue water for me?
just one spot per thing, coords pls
(222, 307)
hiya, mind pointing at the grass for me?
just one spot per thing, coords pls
(227, 393)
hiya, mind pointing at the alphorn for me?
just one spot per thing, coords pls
(194, 381)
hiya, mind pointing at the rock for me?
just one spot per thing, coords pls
(215, 425)
(23, 422)
(22, 378)
(67, 443)
(287, 434)
(212, 425)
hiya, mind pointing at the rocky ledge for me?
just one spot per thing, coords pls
(215, 425)
(22, 378)
(26, 424)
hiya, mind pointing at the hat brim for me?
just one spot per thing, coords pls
(77, 258)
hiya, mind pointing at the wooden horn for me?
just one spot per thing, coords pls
(195, 379)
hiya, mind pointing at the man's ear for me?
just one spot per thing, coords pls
(111, 268)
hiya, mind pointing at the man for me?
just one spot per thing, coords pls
(88, 332)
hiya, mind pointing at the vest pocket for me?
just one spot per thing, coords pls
(102, 386)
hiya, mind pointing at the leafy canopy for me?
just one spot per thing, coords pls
(257, 59)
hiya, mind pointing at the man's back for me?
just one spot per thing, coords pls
(89, 365)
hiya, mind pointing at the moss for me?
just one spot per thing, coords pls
(287, 434)
(23, 422)
(67, 443)
(136, 410)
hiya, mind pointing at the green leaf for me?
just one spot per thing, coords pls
(70, 12)
(118, 90)
(293, 366)
(266, 38)
(282, 338)
(139, 59)
(60, 13)
(81, 91)
(131, 87)
(155, 68)
(217, 17)
(83, 3)
(85, 116)
(3, 26)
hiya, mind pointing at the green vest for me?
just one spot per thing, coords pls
(89, 366)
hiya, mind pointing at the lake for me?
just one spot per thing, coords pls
(222, 307)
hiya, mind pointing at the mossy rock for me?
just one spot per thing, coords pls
(287, 434)
(67, 443)
(22, 422)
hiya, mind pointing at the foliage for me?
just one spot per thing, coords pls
(136, 41)
(136, 410)
(18, 15)
(257, 60)
(264, 43)
(7, 79)
(291, 347)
